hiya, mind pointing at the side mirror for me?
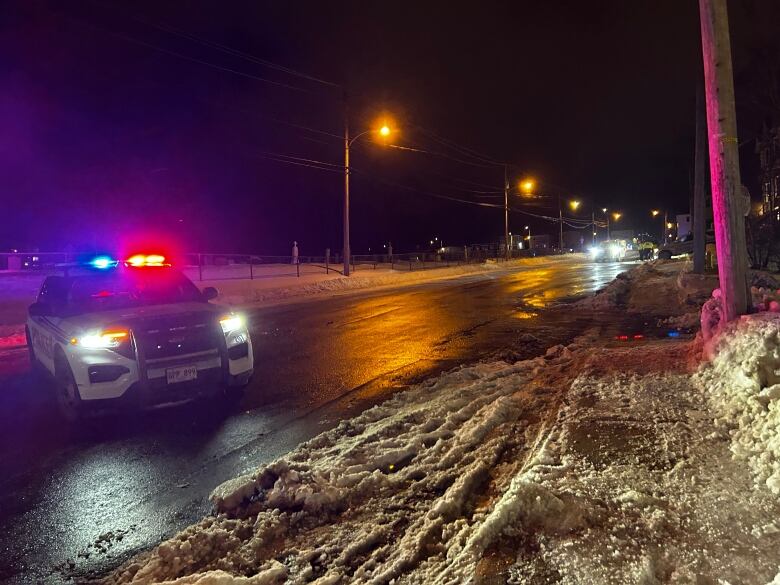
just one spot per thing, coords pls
(210, 293)
(39, 309)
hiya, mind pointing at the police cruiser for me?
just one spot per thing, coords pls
(137, 332)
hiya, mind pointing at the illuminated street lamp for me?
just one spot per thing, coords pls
(574, 205)
(654, 212)
(617, 215)
(527, 186)
(383, 131)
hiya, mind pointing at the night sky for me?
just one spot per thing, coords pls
(115, 123)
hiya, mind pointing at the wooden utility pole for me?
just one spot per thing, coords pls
(347, 142)
(727, 205)
(507, 243)
(699, 188)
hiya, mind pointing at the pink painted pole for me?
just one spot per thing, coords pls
(727, 204)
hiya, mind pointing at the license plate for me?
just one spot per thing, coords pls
(181, 374)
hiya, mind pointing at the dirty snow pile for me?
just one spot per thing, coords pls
(656, 288)
(420, 485)
(587, 465)
(743, 381)
(634, 449)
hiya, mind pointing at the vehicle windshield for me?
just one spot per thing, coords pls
(130, 288)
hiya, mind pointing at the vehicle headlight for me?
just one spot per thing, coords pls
(232, 322)
(595, 252)
(102, 339)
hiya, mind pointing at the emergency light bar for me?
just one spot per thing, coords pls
(103, 262)
(142, 260)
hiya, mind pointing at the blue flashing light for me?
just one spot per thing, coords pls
(673, 334)
(103, 262)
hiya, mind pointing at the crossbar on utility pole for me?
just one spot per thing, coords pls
(728, 209)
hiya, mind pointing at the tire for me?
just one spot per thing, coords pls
(34, 363)
(68, 397)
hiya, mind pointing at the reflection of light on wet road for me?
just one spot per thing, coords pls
(524, 314)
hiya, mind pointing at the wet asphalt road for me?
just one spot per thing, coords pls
(77, 502)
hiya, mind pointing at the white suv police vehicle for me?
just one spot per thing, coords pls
(138, 332)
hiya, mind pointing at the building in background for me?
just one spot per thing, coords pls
(768, 149)
(684, 227)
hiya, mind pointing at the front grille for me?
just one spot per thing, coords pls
(168, 337)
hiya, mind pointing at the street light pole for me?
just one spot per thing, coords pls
(346, 191)
(506, 213)
(560, 220)
(665, 226)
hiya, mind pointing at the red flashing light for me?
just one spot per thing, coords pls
(621, 337)
(141, 260)
(639, 336)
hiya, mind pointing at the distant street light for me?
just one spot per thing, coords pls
(383, 131)
(654, 212)
(617, 215)
(574, 205)
(527, 186)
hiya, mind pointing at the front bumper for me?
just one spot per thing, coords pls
(104, 375)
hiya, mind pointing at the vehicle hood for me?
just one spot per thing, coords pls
(129, 316)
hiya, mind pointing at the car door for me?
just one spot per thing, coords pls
(44, 320)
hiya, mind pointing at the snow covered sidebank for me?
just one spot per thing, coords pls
(743, 381)
(593, 464)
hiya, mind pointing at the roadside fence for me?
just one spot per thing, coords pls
(203, 266)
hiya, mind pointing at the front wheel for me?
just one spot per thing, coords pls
(68, 397)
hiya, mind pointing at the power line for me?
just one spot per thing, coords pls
(293, 161)
(462, 149)
(235, 52)
(439, 154)
(139, 42)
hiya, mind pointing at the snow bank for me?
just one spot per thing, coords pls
(258, 291)
(404, 487)
(588, 465)
(743, 381)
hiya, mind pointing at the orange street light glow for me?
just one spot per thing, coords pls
(574, 204)
(527, 186)
(617, 215)
(655, 212)
(384, 130)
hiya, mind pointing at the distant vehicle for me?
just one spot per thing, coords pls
(608, 251)
(136, 333)
(681, 248)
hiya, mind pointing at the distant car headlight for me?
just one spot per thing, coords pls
(595, 252)
(106, 339)
(232, 322)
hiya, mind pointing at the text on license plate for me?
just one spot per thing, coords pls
(181, 374)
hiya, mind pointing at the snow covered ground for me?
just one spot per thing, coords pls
(597, 463)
